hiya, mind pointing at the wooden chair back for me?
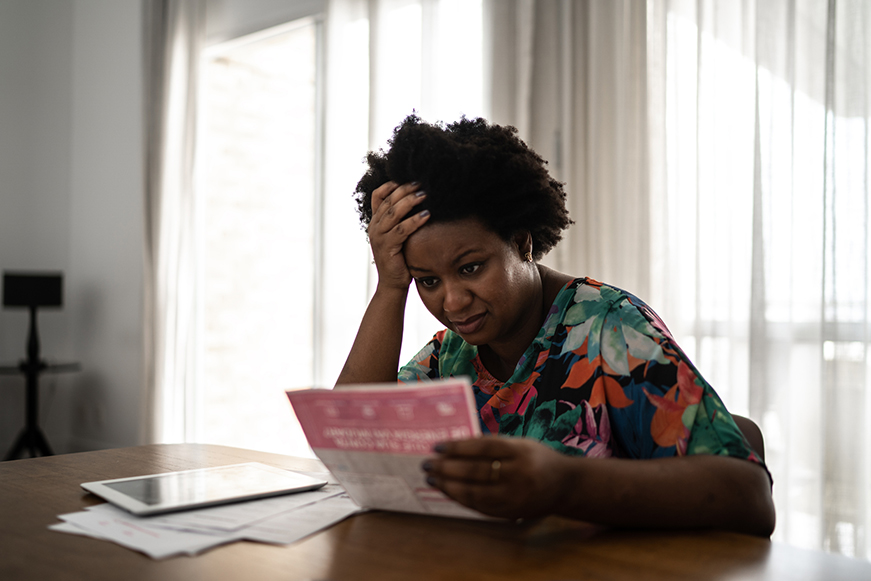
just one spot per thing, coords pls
(752, 433)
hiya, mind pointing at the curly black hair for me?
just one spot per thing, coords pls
(471, 169)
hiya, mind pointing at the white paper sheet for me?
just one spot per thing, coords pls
(119, 526)
(278, 520)
(294, 525)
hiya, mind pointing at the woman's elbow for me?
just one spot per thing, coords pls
(759, 516)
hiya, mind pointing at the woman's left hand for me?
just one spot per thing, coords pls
(499, 476)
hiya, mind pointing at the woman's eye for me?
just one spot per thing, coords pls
(426, 282)
(470, 268)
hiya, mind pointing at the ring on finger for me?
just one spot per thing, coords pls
(495, 467)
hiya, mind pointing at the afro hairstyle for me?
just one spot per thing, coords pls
(471, 169)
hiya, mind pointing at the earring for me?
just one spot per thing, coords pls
(528, 256)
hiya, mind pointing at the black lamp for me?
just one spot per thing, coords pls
(31, 290)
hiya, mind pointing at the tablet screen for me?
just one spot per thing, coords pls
(156, 493)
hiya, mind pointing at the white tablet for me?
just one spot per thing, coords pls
(172, 491)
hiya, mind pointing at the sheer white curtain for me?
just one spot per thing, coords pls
(716, 155)
(173, 39)
(385, 59)
(424, 56)
(761, 117)
(570, 76)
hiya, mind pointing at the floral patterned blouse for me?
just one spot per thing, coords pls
(604, 377)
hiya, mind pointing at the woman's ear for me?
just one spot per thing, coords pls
(523, 242)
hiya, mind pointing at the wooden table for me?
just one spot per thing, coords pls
(375, 545)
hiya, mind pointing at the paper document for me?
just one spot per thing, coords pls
(276, 520)
(373, 438)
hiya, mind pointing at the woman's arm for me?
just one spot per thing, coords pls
(374, 357)
(531, 479)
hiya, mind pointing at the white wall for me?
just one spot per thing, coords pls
(71, 199)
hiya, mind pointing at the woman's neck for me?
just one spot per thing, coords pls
(500, 358)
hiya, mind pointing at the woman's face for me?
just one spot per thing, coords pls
(474, 282)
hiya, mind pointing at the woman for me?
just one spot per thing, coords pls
(586, 377)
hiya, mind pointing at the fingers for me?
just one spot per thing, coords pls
(483, 460)
(381, 193)
(479, 485)
(491, 499)
(499, 476)
(388, 231)
(476, 483)
(486, 446)
(473, 470)
(391, 203)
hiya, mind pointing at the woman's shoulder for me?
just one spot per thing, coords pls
(583, 297)
(554, 282)
(557, 285)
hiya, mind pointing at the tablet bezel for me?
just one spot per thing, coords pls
(296, 482)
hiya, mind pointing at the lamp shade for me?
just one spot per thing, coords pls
(32, 289)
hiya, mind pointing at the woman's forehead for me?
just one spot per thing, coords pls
(466, 229)
(449, 242)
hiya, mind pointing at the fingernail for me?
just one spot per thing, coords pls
(424, 214)
(440, 447)
(420, 193)
(427, 466)
(430, 480)
(415, 184)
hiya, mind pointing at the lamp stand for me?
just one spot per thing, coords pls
(31, 437)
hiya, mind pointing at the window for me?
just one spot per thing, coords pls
(269, 255)
(257, 196)
(766, 132)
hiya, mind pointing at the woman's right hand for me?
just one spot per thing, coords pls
(388, 231)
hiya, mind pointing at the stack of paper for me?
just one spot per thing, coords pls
(278, 520)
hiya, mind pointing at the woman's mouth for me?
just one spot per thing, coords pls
(469, 325)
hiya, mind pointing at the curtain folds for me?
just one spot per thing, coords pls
(173, 39)
(716, 156)
(384, 60)
(771, 131)
(573, 84)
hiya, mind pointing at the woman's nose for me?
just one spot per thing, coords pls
(457, 298)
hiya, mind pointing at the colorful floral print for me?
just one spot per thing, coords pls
(604, 377)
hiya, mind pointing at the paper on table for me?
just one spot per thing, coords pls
(66, 527)
(289, 527)
(265, 520)
(119, 526)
